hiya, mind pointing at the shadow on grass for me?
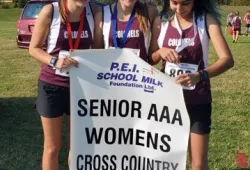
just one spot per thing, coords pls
(21, 139)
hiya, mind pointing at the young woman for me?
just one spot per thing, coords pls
(247, 22)
(125, 24)
(236, 26)
(64, 25)
(181, 35)
(229, 21)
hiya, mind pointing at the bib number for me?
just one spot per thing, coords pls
(174, 70)
(63, 72)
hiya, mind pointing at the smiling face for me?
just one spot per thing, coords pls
(127, 3)
(182, 8)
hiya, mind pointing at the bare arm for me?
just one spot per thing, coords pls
(153, 12)
(245, 18)
(98, 34)
(40, 34)
(154, 55)
(225, 60)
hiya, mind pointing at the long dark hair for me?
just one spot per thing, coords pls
(200, 8)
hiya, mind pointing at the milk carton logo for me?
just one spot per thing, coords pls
(128, 75)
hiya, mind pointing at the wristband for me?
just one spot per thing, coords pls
(52, 62)
(203, 75)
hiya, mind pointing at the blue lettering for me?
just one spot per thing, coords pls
(148, 88)
(114, 66)
(99, 76)
(116, 76)
(134, 68)
(160, 84)
(150, 80)
(145, 79)
(106, 76)
(121, 76)
(113, 76)
(124, 67)
(129, 77)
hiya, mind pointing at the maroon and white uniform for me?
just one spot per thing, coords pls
(196, 53)
(237, 23)
(198, 101)
(135, 39)
(58, 40)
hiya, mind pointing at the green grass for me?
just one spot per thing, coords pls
(21, 135)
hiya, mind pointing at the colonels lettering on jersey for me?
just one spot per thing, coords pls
(131, 34)
(173, 42)
(85, 34)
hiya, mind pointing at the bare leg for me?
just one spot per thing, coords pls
(68, 126)
(52, 128)
(237, 36)
(234, 34)
(198, 148)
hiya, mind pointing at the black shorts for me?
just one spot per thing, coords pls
(200, 118)
(52, 100)
(248, 25)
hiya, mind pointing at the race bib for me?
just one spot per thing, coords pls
(63, 72)
(173, 70)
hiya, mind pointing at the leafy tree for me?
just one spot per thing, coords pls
(21, 3)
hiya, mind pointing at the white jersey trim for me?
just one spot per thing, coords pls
(202, 29)
(106, 25)
(54, 28)
(90, 19)
(160, 40)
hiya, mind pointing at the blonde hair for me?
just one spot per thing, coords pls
(142, 16)
(62, 11)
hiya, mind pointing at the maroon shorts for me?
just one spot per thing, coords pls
(236, 29)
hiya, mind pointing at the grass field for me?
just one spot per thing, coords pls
(20, 128)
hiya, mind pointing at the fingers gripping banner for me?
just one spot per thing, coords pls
(125, 114)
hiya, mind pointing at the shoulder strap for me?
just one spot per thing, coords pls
(54, 27)
(106, 24)
(55, 14)
(163, 30)
(202, 30)
(90, 19)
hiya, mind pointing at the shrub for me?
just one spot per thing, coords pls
(5, 6)
(240, 2)
(21, 3)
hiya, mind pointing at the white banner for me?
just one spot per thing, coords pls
(125, 114)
